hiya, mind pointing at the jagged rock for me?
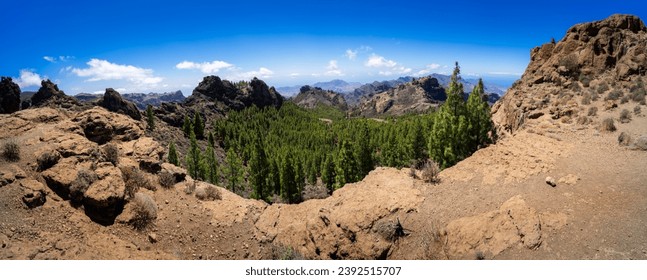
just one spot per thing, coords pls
(49, 95)
(417, 96)
(35, 193)
(113, 101)
(9, 96)
(613, 49)
(142, 100)
(311, 97)
(104, 199)
(236, 97)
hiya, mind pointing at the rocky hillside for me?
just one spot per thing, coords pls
(88, 183)
(142, 100)
(600, 63)
(311, 97)
(416, 96)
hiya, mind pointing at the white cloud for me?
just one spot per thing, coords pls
(62, 58)
(295, 74)
(428, 69)
(379, 61)
(101, 70)
(205, 67)
(333, 69)
(262, 73)
(29, 78)
(351, 54)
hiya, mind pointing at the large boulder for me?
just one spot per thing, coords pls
(101, 126)
(9, 96)
(49, 95)
(113, 101)
(104, 199)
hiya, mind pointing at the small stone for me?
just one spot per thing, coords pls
(152, 238)
(551, 182)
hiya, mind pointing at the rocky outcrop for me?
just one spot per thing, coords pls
(9, 96)
(238, 96)
(48, 95)
(590, 58)
(104, 199)
(311, 97)
(417, 96)
(101, 126)
(113, 101)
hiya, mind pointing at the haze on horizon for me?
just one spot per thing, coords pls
(162, 46)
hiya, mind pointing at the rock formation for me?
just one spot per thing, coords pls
(237, 97)
(9, 96)
(311, 97)
(113, 101)
(48, 95)
(590, 58)
(417, 96)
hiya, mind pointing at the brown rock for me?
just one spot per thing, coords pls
(104, 199)
(113, 101)
(35, 193)
(551, 182)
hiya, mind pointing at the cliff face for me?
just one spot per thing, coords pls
(311, 97)
(589, 59)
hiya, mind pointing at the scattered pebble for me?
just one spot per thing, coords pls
(551, 182)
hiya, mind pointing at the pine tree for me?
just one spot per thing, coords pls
(448, 138)
(479, 119)
(288, 180)
(198, 126)
(328, 173)
(172, 154)
(194, 158)
(211, 139)
(416, 141)
(211, 165)
(363, 151)
(233, 170)
(150, 118)
(258, 171)
(187, 127)
(345, 165)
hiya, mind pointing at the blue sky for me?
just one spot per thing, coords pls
(142, 46)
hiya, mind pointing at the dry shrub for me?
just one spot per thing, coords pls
(592, 111)
(166, 179)
(602, 88)
(641, 143)
(625, 116)
(84, 178)
(594, 96)
(586, 99)
(209, 193)
(637, 110)
(624, 139)
(11, 150)
(430, 172)
(285, 253)
(134, 180)
(111, 153)
(190, 187)
(607, 125)
(144, 211)
(314, 192)
(582, 120)
(47, 160)
(624, 99)
(614, 95)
